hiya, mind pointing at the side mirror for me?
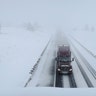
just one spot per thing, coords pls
(56, 58)
(72, 59)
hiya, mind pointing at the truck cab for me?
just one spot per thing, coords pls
(64, 60)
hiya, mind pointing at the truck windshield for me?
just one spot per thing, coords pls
(65, 59)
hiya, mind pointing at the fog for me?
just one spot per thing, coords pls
(51, 14)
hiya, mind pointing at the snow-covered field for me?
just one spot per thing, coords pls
(85, 43)
(19, 51)
(87, 38)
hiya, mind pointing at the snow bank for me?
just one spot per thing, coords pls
(39, 91)
(87, 38)
(19, 51)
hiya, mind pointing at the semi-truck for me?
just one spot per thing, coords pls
(63, 65)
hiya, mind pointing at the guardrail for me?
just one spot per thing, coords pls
(84, 47)
(36, 65)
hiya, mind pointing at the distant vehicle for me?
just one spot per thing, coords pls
(64, 60)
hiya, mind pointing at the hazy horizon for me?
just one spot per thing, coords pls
(48, 13)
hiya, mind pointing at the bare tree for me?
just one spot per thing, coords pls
(92, 29)
(86, 27)
(29, 26)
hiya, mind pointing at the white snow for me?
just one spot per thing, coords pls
(66, 80)
(19, 51)
(86, 39)
(81, 83)
(20, 48)
(39, 91)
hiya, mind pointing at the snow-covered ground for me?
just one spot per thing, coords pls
(43, 91)
(85, 43)
(87, 38)
(19, 51)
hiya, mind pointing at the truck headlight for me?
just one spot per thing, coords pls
(58, 69)
(70, 70)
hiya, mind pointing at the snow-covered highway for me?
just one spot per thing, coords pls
(44, 65)
(46, 74)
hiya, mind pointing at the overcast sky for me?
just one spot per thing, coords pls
(49, 13)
